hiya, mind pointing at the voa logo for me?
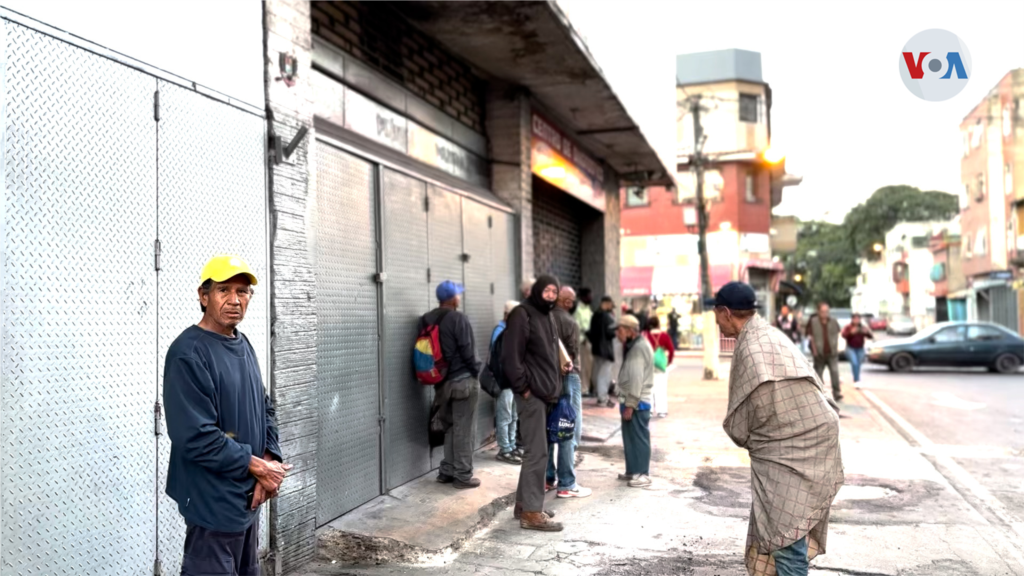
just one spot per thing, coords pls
(935, 65)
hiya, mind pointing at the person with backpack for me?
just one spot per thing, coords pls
(456, 394)
(531, 365)
(505, 415)
(664, 353)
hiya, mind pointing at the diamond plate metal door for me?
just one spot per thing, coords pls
(478, 302)
(405, 300)
(503, 260)
(77, 487)
(444, 231)
(212, 200)
(348, 384)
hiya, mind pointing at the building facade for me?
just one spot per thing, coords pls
(387, 157)
(991, 169)
(659, 226)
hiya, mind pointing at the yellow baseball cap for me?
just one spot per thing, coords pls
(225, 267)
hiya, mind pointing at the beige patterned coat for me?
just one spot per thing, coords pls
(780, 412)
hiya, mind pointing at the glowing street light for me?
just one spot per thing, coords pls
(773, 156)
(878, 247)
(798, 278)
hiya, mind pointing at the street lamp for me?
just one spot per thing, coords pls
(773, 156)
(798, 278)
(878, 247)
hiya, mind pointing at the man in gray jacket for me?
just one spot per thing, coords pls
(823, 331)
(636, 387)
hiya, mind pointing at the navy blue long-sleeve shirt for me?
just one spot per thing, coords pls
(218, 417)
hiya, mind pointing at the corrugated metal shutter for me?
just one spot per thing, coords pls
(348, 383)
(212, 201)
(556, 234)
(1003, 302)
(406, 298)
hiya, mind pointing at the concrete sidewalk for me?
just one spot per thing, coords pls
(896, 515)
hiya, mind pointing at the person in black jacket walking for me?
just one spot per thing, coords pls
(602, 335)
(457, 396)
(531, 363)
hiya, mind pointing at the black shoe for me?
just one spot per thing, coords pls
(518, 453)
(509, 458)
(445, 479)
(469, 484)
(610, 404)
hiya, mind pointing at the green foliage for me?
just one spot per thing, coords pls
(868, 223)
(827, 254)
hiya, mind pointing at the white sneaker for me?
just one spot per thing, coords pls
(640, 481)
(579, 492)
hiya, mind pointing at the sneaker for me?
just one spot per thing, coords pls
(662, 415)
(578, 492)
(445, 479)
(640, 481)
(549, 486)
(611, 403)
(509, 458)
(626, 477)
(467, 485)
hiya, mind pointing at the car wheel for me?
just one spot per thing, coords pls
(1007, 364)
(902, 362)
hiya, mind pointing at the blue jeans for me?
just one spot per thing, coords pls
(856, 358)
(507, 419)
(792, 560)
(566, 468)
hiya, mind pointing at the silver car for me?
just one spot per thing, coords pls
(901, 325)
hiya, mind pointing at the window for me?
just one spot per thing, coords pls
(948, 335)
(965, 248)
(749, 104)
(919, 242)
(983, 334)
(979, 188)
(751, 187)
(981, 242)
(637, 196)
(965, 200)
(1008, 180)
(976, 131)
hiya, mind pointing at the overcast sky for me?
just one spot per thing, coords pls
(840, 111)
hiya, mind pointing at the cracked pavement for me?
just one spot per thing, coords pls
(897, 515)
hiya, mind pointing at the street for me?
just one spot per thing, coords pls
(904, 510)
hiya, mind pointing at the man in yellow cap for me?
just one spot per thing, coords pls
(225, 459)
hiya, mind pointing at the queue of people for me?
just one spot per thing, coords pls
(226, 461)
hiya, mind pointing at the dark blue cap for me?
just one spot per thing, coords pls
(447, 290)
(734, 296)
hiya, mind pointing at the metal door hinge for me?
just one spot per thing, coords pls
(464, 257)
(158, 416)
(156, 255)
(381, 419)
(380, 277)
(156, 106)
(158, 568)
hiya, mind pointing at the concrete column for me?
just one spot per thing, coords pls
(293, 288)
(508, 132)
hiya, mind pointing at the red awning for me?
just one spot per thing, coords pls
(776, 270)
(636, 280)
(721, 274)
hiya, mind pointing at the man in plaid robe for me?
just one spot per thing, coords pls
(780, 412)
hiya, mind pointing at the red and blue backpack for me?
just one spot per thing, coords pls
(427, 360)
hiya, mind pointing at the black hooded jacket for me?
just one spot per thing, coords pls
(530, 349)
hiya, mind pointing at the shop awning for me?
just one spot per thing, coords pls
(636, 280)
(721, 274)
(533, 44)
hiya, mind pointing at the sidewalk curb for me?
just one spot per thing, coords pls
(351, 548)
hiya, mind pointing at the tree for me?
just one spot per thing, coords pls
(827, 264)
(868, 223)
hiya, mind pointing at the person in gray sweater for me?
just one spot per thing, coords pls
(636, 390)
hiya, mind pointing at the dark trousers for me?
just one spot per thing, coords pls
(460, 439)
(636, 442)
(833, 369)
(210, 553)
(533, 419)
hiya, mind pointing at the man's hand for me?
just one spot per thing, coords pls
(526, 395)
(270, 474)
(259, 496)
(567, 367)
(627, 414)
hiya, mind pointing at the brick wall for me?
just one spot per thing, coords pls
(293, 290)
(374, 33)
(508, 129)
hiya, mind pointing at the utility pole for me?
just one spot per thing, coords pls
(710, 328)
